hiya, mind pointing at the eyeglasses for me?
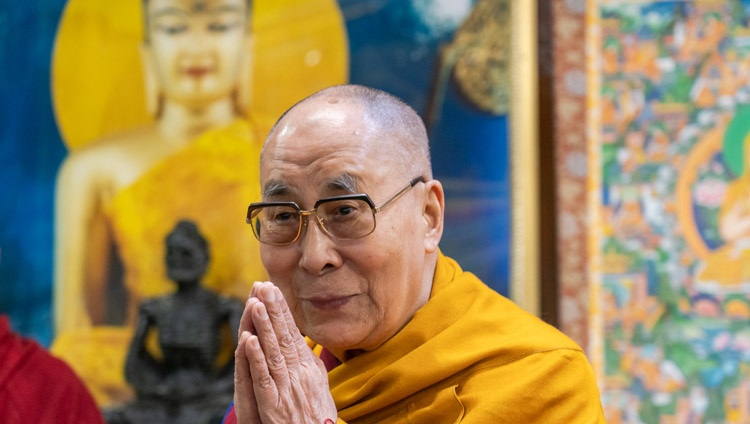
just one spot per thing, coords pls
(347, 217)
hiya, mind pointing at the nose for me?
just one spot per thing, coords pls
(197, 41)
(318, 250)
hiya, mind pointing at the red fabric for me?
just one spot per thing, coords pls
(230, 418)
(328, 359)
(330, 363)
(36, 387)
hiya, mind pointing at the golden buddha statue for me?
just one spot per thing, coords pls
(181, 143)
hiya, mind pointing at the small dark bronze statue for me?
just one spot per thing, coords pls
(187, 382)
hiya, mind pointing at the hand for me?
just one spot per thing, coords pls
(287, 382)
(735, 223)
(245, 407)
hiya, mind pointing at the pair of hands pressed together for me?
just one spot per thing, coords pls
(277, 378)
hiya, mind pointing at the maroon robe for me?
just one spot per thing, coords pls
(36, 387)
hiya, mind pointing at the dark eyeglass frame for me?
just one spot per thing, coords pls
(304, 214)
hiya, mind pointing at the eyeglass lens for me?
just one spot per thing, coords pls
(343, 219)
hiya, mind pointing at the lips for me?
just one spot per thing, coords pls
(197, 71)
(329, 302)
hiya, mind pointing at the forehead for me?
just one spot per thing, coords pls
(317, 143)
(158, 7)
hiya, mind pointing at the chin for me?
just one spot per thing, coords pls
(335, 337)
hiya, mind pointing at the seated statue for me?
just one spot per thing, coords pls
(194, 117)
(189, 379)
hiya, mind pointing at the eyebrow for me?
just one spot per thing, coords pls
(275, 188)
(344, 182)
(171, 10)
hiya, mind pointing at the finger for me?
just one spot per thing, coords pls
(268, 339)
(275, 304)
(245, 406)
(266, 392)
(246, 321)
(256, 286)
(303, 350)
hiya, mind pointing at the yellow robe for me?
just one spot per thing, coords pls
(211, 181)
(469, 356)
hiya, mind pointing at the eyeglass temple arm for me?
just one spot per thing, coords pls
(412, 183)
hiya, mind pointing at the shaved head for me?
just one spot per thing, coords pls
(394, 120)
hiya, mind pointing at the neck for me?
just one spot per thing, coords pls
(183, 123)
(188, 287)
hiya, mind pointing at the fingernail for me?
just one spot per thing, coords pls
(272, 294)
(253, 340)
(262, 311)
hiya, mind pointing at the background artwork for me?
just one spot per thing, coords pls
(193, 156)
(672, 238)
(393, 45)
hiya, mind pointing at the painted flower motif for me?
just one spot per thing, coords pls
(575, 82)
(569, 225)
(576, 6)
(710, 192)
(576, 163)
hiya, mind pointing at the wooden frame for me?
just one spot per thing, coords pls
(525, 285)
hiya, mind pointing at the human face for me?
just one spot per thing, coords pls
(345, 294)
(196, 47)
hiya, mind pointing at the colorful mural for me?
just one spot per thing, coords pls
(673, 246)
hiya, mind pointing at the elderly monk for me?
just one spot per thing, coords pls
(349, 226)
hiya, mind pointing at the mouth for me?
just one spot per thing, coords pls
(197, 71)
(329, 303)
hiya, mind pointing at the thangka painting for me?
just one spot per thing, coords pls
(90, 188)
(670, 126)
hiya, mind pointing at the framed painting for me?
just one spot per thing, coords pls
(668, 121)
(462, 65)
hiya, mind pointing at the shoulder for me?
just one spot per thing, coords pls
(150, 307)
(230, 304)
(555, 385)
(100, 155)
(514, 329)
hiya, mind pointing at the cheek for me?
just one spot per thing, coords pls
(384, 265)
(280, 263)
(230, 51)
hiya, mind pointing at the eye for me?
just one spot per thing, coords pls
(170, 24)
(282, 215)
(172, 29)
(224, 22)
(343, 210)
(222, 27)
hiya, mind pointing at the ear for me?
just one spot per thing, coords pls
(150, 81)
(243, 96)
(433, 214)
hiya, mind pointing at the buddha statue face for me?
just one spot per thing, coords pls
(195, 51)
